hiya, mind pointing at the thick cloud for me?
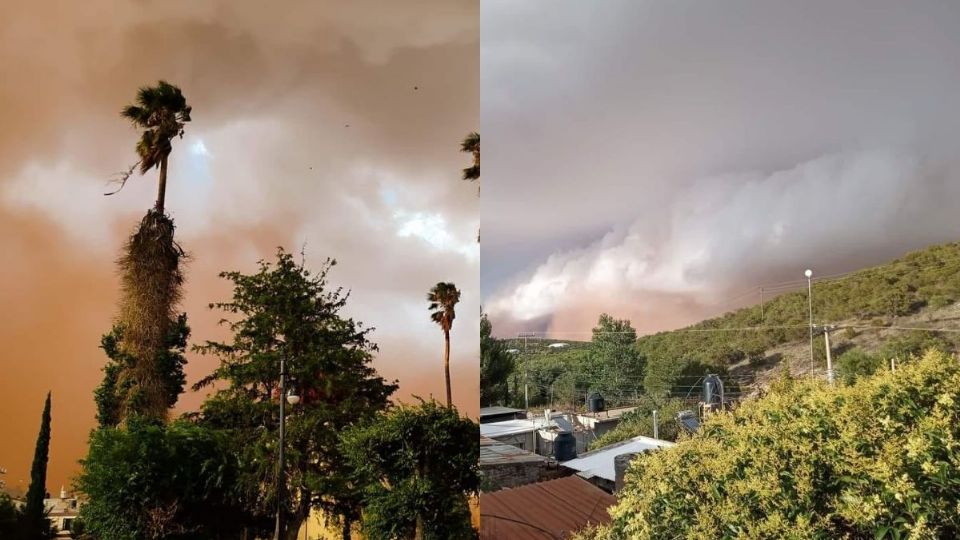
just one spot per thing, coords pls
(651, 158)
(268, 160)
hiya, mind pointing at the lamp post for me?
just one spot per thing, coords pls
(809, 274)
(293, 399)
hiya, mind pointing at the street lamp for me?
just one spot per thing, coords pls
(292, 398)
(809, 274)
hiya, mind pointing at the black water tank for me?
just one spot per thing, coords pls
(595, 403)
(620, 465)
(564, 446)
(712, 390)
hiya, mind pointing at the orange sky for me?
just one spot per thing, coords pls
(267, 161)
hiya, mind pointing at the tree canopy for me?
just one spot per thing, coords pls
(495, 367)
(285, 310)
(419, 465)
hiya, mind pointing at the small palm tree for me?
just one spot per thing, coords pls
(443, 297)
(162, 111)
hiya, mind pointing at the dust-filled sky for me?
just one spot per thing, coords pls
(330, 125)
(652, 159)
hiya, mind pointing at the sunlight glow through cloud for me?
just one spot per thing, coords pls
(199, 148)
(432, 229)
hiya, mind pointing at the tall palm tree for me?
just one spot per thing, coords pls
(162, 111)
(443, 297)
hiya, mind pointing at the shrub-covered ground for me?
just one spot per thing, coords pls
(879, 458)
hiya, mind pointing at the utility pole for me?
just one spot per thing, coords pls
(277, 528)
(526, 393)
(826, 339)
(809, 274)
(526, 389)
(656, 425)
(761, 306)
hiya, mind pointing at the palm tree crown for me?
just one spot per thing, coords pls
(471, 144)
(443, 297)
(162, 112)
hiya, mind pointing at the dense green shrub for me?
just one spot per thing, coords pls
(877, 459)
(857, 363)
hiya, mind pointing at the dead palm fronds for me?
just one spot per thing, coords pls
(151, 288)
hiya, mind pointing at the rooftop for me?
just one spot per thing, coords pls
(599, 462)
(548, 510)
(612, 414)
(497, 411)
(497, 453)
(512, 427)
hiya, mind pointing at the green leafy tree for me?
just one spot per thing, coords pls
(443, 298)
(113, 391)
(876, 459)
(617, 367)
(495, 367)
(284, 310)
(35, 523)
(419, 465)
(150, 481)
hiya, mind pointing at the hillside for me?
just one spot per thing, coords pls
(878, 312)
(875, 309)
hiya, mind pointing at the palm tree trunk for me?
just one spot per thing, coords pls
(162, 189)
(446, 364)
(345, 531)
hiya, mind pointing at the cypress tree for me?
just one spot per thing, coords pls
(34, 513)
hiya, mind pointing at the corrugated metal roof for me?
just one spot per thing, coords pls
(546, 511)
(600, 462)
(494, 452)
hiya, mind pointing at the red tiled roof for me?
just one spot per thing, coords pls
(545, 511)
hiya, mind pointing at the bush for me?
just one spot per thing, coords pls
(877, 459)
(156, 481)
(856, 363)
(939, 301)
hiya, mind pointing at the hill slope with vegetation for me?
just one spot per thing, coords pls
(875, 301)
(888, 311)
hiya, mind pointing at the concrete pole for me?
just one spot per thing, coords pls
(761, 306)
(280, 480)
(656, 425)
(809, 275)
(826, 339)
(526, 393)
